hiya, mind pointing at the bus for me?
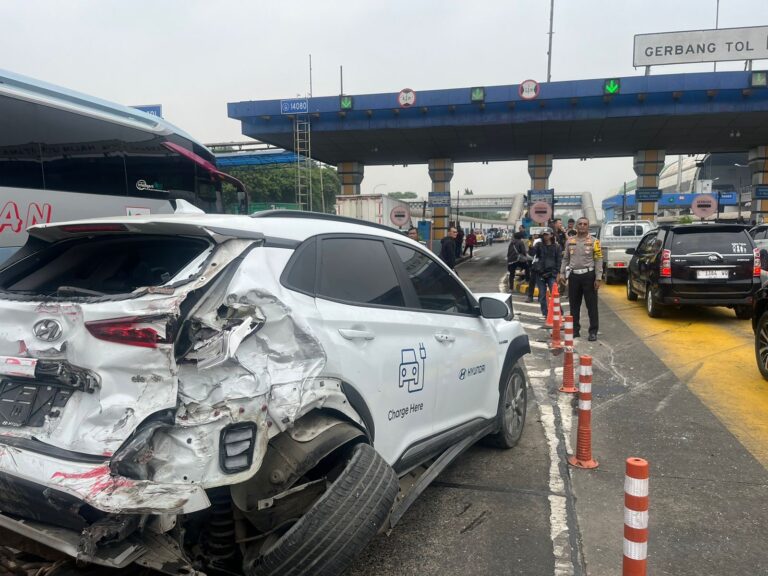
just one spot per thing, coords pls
(66, 156)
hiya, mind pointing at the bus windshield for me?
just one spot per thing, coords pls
(66, 156)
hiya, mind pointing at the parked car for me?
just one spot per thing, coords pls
(760, 328)
(239, 394)
(699, 264)
(615, 237)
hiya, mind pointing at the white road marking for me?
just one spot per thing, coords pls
(558, 524)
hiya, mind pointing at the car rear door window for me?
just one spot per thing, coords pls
(102, 265)
(358, 270)
(721, 241)
(435, 288)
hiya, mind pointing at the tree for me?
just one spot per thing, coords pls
(277, 183)
(468, 192)
(403, 195)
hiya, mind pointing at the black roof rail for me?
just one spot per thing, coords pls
(318, 216)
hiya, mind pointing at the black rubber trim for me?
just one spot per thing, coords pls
(318, 216)
(38, 447)
(428, 448)
(518, 348)
(358, 403)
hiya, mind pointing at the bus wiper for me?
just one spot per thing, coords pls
(78, 290)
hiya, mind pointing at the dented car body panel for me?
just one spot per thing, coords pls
(148, 401)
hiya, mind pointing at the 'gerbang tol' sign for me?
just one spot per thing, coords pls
(701, 46)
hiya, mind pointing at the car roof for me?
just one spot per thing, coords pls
(298, 226)
(707, 227)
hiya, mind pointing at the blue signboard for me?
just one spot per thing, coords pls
(547, 196)
(294, 106)
(647, 194)
(439, 199)
(760, 193)
(151, 109)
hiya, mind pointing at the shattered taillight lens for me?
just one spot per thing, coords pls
(666, 264)
(756, 267)
(133, 331)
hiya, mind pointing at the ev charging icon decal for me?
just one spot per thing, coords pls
(411, 374)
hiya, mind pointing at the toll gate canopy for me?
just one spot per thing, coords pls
(680, 113)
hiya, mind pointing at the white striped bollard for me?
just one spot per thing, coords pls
(635, 518)
(568, 383)
(583, 458)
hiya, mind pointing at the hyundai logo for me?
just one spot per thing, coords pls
(47, 330)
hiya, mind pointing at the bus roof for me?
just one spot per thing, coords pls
(19, 86)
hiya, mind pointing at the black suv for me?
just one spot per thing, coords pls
(700, 264)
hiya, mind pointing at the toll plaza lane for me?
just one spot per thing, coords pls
(489, 512)
(682, 392)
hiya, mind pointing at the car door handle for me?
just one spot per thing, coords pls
(443, 337)
(356, 334)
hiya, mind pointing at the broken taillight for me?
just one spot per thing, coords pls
(756, 267)
(666, 264)
(134, 331)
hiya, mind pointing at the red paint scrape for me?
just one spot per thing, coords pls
(104, 481)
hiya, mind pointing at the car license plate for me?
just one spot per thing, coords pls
(720, 274)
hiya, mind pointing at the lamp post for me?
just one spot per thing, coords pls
(377, 185)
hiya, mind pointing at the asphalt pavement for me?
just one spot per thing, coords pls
(680, 392)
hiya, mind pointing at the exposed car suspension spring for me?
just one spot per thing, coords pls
(220, 529)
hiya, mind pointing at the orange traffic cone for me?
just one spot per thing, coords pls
(551, 309)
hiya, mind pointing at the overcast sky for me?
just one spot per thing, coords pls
(194, 56)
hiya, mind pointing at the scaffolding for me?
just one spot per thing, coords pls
(302, 146)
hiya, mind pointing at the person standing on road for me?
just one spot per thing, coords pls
(470, 243)
(532, 275)
(582, 267)
(517, 257)
(459, 240)
(571, 229)
(448, 248)
(547, 256)
(560, 233)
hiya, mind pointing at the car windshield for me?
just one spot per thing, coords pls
(721, 241)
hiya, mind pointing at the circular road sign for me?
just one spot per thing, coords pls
(399, 216)
(541, 212)
(406, 98)
(704, 205)
(528, 89)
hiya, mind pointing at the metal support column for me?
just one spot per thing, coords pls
(440, 172)
(648, 165)
(350, 175)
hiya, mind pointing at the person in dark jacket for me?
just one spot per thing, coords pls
(470, 242)
(517, 257)
(547, 258)
(459, 241)
(448, 248)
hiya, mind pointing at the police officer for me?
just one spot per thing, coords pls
(582, 266)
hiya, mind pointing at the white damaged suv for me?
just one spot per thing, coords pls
(234, 394)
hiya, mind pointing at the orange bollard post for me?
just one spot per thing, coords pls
(568, 386)
(635, 518)
(550, 310)
(556, 316)
(583, 458)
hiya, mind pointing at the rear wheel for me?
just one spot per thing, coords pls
(653, 308)
(325, 540)
(631, 294)
(743, 311)
(513, 405)
(761, 345)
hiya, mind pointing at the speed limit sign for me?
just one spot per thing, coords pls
(406, 98)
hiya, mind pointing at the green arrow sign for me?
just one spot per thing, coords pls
(477, 95)
(345, 102)
(612, 86)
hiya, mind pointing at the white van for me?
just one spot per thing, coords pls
(615, 237)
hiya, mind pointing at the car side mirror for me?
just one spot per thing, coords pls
(630, 250)
(491, 308)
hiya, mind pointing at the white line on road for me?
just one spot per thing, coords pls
(558, 517)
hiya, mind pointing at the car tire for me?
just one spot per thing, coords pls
(743, 311)
(652, 307)
(631, 294)
(328, 537)
(609, 277)
(761, 345)
(513, 405)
